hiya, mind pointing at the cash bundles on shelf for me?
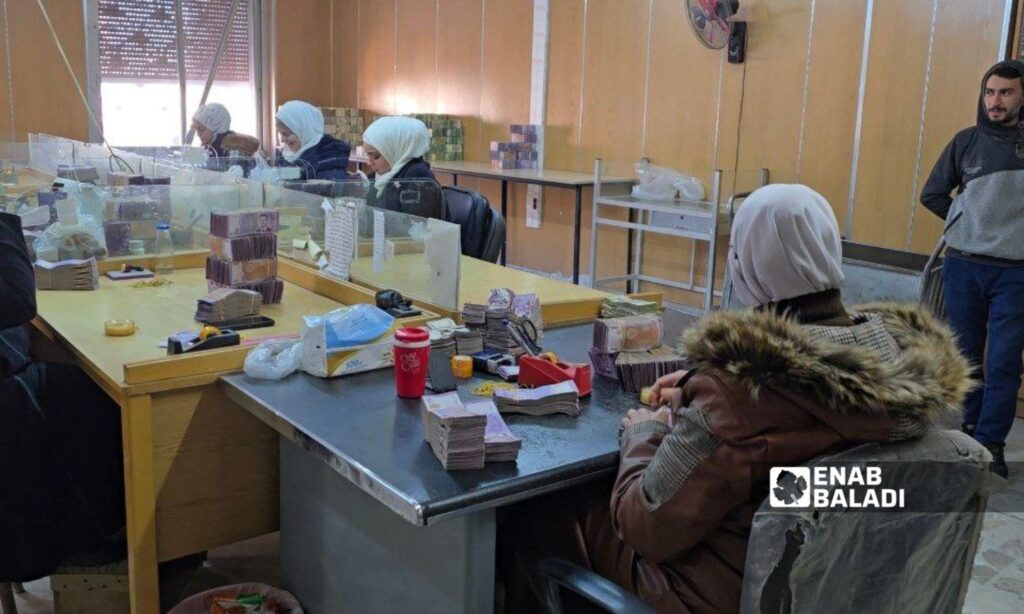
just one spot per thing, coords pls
(243, 253)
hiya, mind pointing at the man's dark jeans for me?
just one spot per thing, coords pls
(986, 302)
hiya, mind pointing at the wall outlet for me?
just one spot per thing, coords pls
(533, 206)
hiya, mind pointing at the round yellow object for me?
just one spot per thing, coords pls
(208, 331)
(120, 328)
(645, 395)
(462, 367)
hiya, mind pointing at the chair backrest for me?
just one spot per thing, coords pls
(482, 229)
(846, 561)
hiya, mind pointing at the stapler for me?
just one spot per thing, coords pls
(396, 305)
(546, 369)
(210, 338)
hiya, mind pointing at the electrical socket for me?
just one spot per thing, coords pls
(533, 206)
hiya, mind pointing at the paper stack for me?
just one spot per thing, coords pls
(618, 306)
(639, 369)
(67, 275)
(496, 336)
(446, 137)
(443, 341)
(455, 434)
(527, 306)
(117, 233)
(500, 445)
(474, 315)
(344, 123)
(237, 239)
(225, 304)
(560, 398)
(468, 341)
(628, 334)
(520, 152)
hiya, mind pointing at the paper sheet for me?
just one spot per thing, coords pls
(378, 241)
(341, 230)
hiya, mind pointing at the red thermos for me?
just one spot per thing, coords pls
(411, 349)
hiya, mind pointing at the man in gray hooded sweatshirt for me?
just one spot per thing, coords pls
(984, 268)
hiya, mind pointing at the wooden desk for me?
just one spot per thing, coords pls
(542, 177)
(199, 471)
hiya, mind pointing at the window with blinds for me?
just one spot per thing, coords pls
(138, 40)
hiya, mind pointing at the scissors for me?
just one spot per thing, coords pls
(524, 332)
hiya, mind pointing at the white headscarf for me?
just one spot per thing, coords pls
(398, 139)
(785, 243)
(305, 121)
(214, 116)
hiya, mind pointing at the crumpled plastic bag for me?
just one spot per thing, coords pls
(659, 183)
(264, 173)
(73, 241)
(273, 359)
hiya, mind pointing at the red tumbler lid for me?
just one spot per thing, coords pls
(412, 334)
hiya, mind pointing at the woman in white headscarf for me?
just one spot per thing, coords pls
(403, 180)
(300, 126)
(780, 384)
(212, 124)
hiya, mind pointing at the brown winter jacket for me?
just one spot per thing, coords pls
(765, 390)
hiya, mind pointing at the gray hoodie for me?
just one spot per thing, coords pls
(985, 164)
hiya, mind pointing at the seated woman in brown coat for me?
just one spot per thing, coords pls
(793, 378)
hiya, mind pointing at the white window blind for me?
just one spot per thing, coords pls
(138, 40)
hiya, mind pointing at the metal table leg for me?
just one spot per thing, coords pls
(343, 551)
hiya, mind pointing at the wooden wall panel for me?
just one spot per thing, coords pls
(416, 82)
(377, 56)
(564, 88)
(45, 98)
(344, 59)
(892, 116)
(459, 45)
(831, 109)
(966, 45)
(303, 52)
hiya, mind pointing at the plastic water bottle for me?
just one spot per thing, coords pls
(164, 250)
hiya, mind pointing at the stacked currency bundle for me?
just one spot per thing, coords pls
(560, 398)
(344, 123)
(80, 274)
(446, 136)
(618, 306)
(639, 369)
(496, 336)
(527, 307)
(237, 240)
(628, 334)
(468, 341)
(117, 234)
(519, 152)
(474, 315)
(455, 434)
(224, 304)
(443, 341)
(500, 444)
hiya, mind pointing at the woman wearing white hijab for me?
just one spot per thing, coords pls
(781, 384)
(395, 147)
(212, 124)
(300, 126)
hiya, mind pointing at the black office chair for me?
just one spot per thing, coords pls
(482, 228)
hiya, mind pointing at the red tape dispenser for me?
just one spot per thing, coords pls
(547, 369)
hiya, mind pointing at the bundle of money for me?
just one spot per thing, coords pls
(560, 398)
(628, 334)
(137, 209)
(527, 306)
(474, 315)
(67, 275)
(617, 306)
(446, 136)
(271, 289)
(225, 304)
(455, 434)
(500, 444)
(345, 123)
(240, 223)
(468, 341)
(117, 234)
(231, 272)
(251, 247)
(604, 363)
(639, 369)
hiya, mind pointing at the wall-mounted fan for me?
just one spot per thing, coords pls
(710, 21)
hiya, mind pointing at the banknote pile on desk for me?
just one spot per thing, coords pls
(560, 398)
(639, 369)
(237, 238)
(519, 152)
(225, 304)
(466, 436)
(344, 123)
(617, 306)
(446, 136)
(76, 274)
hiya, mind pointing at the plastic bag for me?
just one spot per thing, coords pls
(264, 173)
(72, 241)
(276, 599)
(273, 360)
(351, 326)
(659, 183)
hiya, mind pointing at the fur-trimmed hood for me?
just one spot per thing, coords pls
(762, 349)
